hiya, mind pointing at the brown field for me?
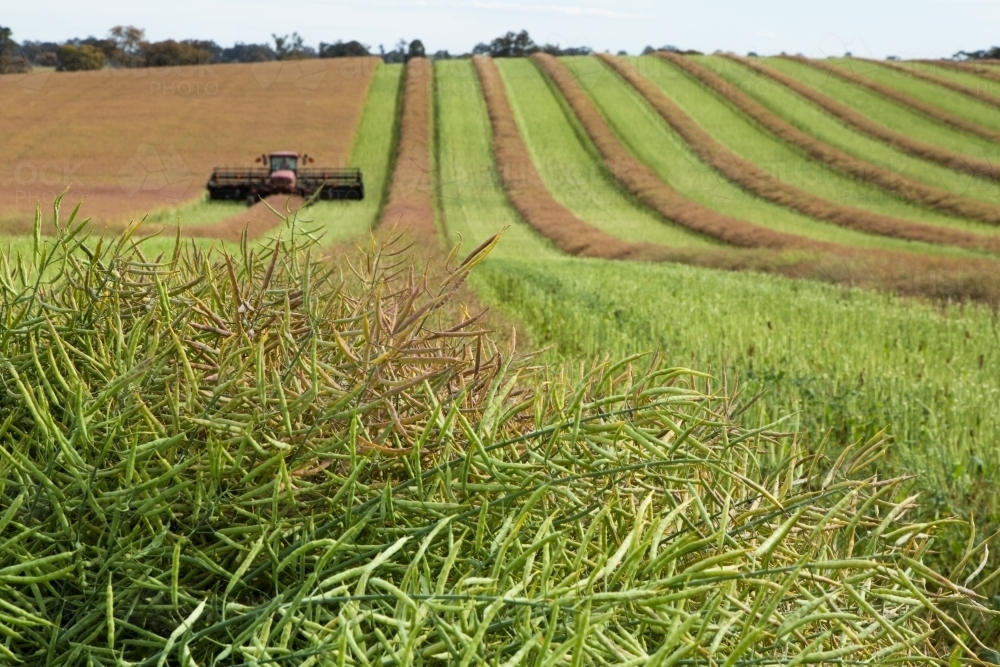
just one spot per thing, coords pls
(861, 123)
(769, 187)
(410, 204)
(134, 140)
(642, 181)
(928, 110)
(980, 95)
(762, 183)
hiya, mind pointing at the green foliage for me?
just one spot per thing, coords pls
(219, 460)
(77, 58)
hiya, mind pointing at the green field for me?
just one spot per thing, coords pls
(814, 121)
(888, 113)
(948, 100)
(257, 458)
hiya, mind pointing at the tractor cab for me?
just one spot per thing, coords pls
(283, 167)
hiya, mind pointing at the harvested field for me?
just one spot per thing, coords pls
(845, 113)
(474, 205)
(527, 192)
(905, 273)
(757, 180)
(929, 110)
(970, 91)
(969, 68)
(410, 204)
(571, 166)
(910, 189)
(132, 141)
(639, 179)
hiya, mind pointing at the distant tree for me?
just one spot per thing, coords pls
(992, 53)
(341, 49)
(648, 50)
(752, 54)
(623, 52)
(892, 57)
(169, 53)
(397, 55)
(11, 58)
(247, 53)
(441, 55)
(513, 45)
(292, 47)
(416, 49)
(84, 57)
(128, 39)
(43, 54)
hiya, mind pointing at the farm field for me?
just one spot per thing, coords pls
(876, 108)
(744, 137)
(371, 470)
(960, 105)
(132, 141)
(823, 126)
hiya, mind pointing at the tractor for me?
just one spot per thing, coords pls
(280, 173)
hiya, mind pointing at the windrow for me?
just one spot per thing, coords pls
(891, 93)
(858, 121)
(968, 68)
(642, 181)
(410, 204)
(905, 273)
(974, 93)
(754, 179)
(910, 189)
(527, 192)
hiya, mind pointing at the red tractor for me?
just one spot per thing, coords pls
(281, 174)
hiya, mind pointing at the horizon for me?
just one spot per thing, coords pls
(879, 29)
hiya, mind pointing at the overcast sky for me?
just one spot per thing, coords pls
(873, 28)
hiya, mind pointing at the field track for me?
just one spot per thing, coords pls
(861, 123)
(410, 202)
(980, 95)
(639, 179)
(758, 181)
(928, 110)
(137, 140)
(909, 188)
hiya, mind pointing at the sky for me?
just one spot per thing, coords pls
(815, 28)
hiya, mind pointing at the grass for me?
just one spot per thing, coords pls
(890, 114)
(742, 136)
(955, 103)
(261, 458)
(816, 122)
(471, 196)
(845, 363)
(571, 167)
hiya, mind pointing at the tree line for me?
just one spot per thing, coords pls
(127, 46)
